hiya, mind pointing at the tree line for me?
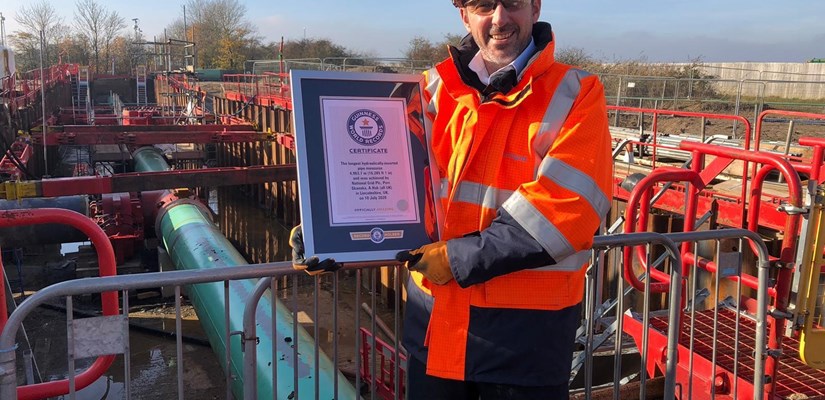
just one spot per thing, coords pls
(223, 38)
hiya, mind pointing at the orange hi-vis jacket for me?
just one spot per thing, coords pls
(526, 179)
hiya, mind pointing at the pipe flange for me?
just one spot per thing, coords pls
(165, 209)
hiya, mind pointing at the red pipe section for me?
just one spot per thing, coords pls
(770, 162)
(763, 114)
(640, 197)
(784, 276)
(710, 266)
(815, 167)
(106, 260)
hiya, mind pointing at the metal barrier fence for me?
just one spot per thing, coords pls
(746, 97)
(362, 64)
(711, 334)
(378, 378)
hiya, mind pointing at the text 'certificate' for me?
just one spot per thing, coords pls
(368, 161)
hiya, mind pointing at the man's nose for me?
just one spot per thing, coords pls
(500, 13)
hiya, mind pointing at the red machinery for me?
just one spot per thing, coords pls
(20, 152)
(732, 375)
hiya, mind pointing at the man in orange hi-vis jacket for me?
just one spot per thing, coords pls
(522, 146)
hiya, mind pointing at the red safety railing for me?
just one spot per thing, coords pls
(640, 197)
(713, 168)
(780, 291)
(770, 162)
(760, 120)
(24, 89)
(243, 85)
(385, 366)
(269, 89)
(106, 260)
(816, 165)
(813, 167)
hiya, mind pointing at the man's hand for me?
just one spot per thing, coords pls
(311, 265)
(430, 260)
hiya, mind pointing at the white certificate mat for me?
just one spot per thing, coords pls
(367, 151)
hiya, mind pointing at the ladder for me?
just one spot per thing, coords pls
(140, 78)
(81, 92)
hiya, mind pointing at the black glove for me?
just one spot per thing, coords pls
(311, 265)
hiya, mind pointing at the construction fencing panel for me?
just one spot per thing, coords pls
(747, 96)
(335, 336)
(712, 330)
(353, 64)
(300, 369)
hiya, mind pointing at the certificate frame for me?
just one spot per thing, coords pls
(364, 179)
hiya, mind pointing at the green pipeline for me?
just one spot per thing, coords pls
(193, 241)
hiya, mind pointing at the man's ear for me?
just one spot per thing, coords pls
(465, 18)
(536, 6)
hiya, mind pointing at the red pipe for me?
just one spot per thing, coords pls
(763, 114)
(640, 197)
(106, 261)
(770, 161)
(784, 276)
(816, 160)
(803, 141)
(710, 266)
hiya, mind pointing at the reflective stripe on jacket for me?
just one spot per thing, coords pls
(539, 157)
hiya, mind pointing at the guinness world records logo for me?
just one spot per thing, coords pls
(377, 235)
(366, 127)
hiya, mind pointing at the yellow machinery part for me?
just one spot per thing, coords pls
(811, 286)
(13, 190)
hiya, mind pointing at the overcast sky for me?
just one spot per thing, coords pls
(656, 31)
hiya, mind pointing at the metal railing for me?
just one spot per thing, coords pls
(333, 292)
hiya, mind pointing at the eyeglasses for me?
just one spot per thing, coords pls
(487, 7)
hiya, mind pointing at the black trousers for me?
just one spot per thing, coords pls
(421, 386)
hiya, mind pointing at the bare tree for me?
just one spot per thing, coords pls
(576, 56)
(26, 46)
(221, 31)
(98, 26)
(422, 49)
(136, 47)
(314, 48)
(41, 17)
(113, 24)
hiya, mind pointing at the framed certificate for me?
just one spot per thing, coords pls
(365, 186)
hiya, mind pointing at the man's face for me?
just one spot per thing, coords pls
(504, 33)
